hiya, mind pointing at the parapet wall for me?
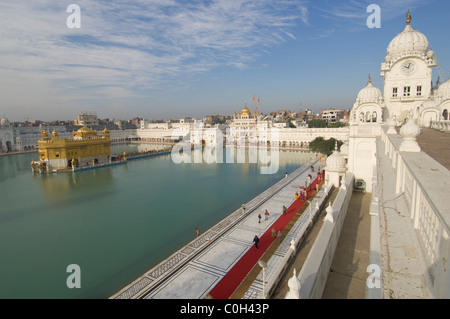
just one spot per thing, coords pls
(314, 273)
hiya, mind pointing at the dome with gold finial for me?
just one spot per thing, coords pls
(369, 94)
(85, 132)
(55, 134)
(409, 41)
(245, 111)
(105, 131)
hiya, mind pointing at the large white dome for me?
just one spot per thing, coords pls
(408, 42)
(369, 94)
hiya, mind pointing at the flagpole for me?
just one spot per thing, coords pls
(259, 108)
(254, 112)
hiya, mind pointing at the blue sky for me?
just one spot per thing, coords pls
(164, 59)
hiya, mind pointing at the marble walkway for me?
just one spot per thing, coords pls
(192, 271)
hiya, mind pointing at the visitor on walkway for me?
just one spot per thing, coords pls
(266, 214)
(198, 231)
(284, 210)
(256, 241)
(312, 168)
(279, 236)
(243, 209)
(296, 195)
(259, 218)
(274, 233)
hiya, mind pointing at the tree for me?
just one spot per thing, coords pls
(326, 147)
(291, 125)
(338, 124)
(317, 123)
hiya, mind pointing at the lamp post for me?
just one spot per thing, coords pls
(263, 265)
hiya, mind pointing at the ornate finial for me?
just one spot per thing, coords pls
(370, 79)
(408, 18)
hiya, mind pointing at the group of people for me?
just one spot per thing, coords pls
(302, 195)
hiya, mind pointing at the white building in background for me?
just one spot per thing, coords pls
(7, 142)
(407, 73)
(87, 119)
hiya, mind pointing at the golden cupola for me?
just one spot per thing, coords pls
(105, 131)
(85, 132)
(245, 111)
(55, 134)
(44, 134)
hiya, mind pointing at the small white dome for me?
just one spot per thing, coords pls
(408, 41)
(4, 121)
(335, 162)
(369, 94)
(429, 103)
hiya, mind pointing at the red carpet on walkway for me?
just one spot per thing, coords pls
(231, 281)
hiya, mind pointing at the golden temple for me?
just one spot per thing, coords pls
(85, 149)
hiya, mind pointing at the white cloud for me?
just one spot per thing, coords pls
(125, 45)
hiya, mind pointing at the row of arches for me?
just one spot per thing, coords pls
(368, 117)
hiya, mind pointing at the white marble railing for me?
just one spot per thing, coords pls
(374, 290)
(314, 273)
(425, 185)
(443, 126)
(280, 260)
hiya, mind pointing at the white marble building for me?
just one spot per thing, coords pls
(407, 73)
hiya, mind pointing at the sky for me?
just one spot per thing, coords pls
(169, 59)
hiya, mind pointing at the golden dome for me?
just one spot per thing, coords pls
(55, 134)
(245, 111)
(85, 132)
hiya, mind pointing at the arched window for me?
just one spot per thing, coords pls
(374, 117)
(368, 117)
(445, 114)
(361, 117)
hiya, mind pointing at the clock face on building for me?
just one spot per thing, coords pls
(408, 67)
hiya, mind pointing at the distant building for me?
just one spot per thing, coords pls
(332, 116)
(87, 119)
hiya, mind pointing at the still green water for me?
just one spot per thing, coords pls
(114, 222)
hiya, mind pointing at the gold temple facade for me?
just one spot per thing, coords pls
(85, 149)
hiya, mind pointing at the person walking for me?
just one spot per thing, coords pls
(284, 210)
(256, 241)
(266, 214)
(259, 218)
(279, 236)
(198, 231)
(274, 233)
(243, 209)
